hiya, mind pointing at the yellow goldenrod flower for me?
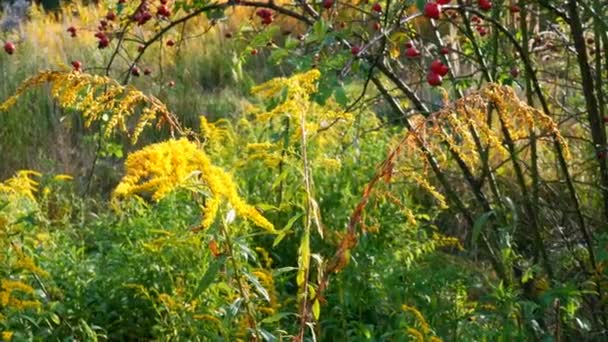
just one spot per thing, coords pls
(160, 168)
(7, 335)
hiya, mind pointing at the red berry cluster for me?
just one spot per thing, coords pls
(266, 16)
(143, 14)
(102, 40)
(436, 72)
(479, 26)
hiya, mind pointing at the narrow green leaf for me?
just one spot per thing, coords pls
(209, 276)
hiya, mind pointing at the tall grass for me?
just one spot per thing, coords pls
(210, 71)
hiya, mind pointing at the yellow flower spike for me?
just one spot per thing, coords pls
(96, 97)
(160, 168)
(7, 335)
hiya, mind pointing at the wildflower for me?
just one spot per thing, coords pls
(161, 168)
(7, 335)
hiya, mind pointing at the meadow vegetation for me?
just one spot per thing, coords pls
(333, 171)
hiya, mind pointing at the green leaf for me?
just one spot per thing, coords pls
(303, 259)
(480, 223)
(275, 318)
(341, 97)
(209, 276)
(258, 286)
(283, 233)
(420, 4)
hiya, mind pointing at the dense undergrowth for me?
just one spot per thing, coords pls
(297, 181)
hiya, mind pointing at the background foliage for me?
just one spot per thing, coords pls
(333, 170)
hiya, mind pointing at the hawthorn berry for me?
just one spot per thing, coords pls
(443, 2)
(377, 7)
(484, 5)
(433, 79)
(327, 4)
(163, 11)
(170, 42)
(355, 50)
(72, 31)
(514, 71)
(147, 71)
(444, 50)
(103, 42)
(514, 9)
(437, 67)
(412, 52)
(266, 16)
(77, 65)
(432, 10)
(111, 16)
(135, 71)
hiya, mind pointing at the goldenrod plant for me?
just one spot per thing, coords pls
(306, 171)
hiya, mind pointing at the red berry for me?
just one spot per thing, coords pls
(437, 67)
(475, 19)
(355, 50)
(135, 71)
(163, 2)
(377, 26)
(141, 48)
(327, 4)
(409, 45)
(482, 30)
(163, 11)
(377, 7)
(254, 52)
(267, 21)
(103, 42)
(444, 50)
(443, 2)
(170, 42)
(433, 79)
(432, 10)
(147, 71)
(111, 16)
(514, 71)
(263, 13)
(514, 9)
(77, 65)
(412, 52)
(72, 31)
(9, 48)
(485, 5)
